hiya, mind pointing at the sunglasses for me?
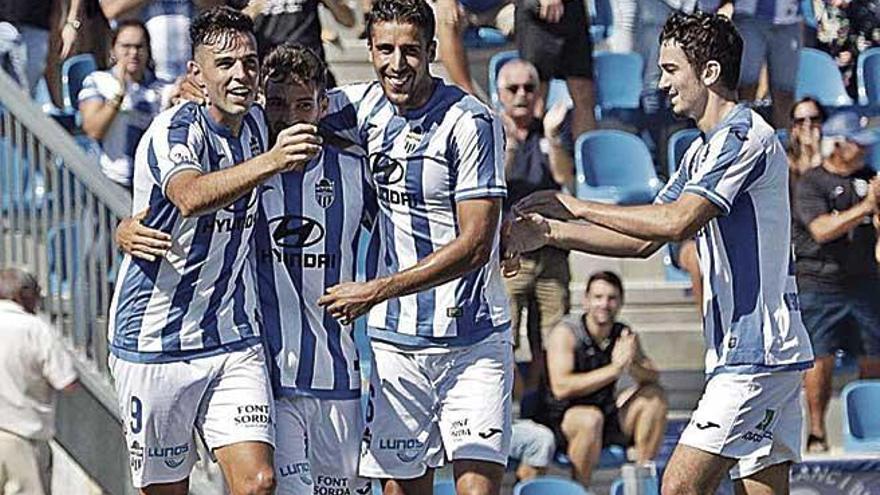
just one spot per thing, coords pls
(810, 118)
(514, 88)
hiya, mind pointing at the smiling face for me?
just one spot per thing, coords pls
(400, 55)
(228, 70)
(289, 102)
(678, 79)
(602, 302)
(517, 90)
(131, 51)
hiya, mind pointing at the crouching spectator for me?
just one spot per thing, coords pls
(586, 355)
(33, 366)
(118, 104)
(835, 209)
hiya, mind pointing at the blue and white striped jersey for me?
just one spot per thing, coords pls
(200, 299)
(306, 241)
(751, 318)
(423, 162)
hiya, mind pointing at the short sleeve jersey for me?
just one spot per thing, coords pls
(200, 298)
(424, 162)
(751, 317)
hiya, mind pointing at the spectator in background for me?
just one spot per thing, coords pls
(453, 18)
(118, 104)
(24, 36)
(33, 366)
(554, 36)
(297, 22)
(772, 33)
(586, 355)
(168, 22)
(538, 156)
(534, 446)
(805, 137)
(837, 273)
(846, 29)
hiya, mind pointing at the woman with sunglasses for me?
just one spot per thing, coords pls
(805, 136)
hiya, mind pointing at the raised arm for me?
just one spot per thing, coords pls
(565, 383)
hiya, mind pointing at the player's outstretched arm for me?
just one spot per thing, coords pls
(478, 221)
(675, 221)
(195, 193)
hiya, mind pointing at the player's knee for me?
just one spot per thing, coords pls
(262, 482)
(674, 483)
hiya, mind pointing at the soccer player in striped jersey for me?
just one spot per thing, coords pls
(731, 192)
(438, 319)
(185, 348)
(306, 241)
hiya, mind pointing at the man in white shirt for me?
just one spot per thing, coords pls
(33, 366)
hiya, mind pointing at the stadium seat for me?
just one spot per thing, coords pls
(549, 485)
(614, 167)
(819, 77)
(60, 274)
(483, 37)
(616, 487)
(73, 71)
(444, 487)
(872, 159)
(861, 423)
(618, 79)
(868, 77)
(611, 456)
(679, 142)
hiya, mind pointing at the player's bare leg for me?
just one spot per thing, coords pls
(247, 467)
(415, 486)
(177, 488)
(694, 472)
(770, 481)
(477, 477)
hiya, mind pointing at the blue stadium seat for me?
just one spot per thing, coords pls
(444, 487)
(549, 485)
(73, 71)
(614, 167)
(868, 76)
(679, 142)
(616, 487)
(57, 241)
(861, 423)
(618, 79)
(611, 456)
(819, 77)
(483, 37)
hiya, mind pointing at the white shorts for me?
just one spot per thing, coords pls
(226, 398)
(317, 446)
(422, 406)
(754, 418)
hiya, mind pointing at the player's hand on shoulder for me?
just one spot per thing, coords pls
(186, 88)
(140, 241)
(296, 146)
(552, 204)
(349, 300)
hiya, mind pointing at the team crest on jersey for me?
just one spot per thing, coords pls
(325, 192)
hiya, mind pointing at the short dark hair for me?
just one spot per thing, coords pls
(127, 23)
(214, 25)
(704, 37)
(809, 99)
(606, 276)
(415, 12)
(297, 62)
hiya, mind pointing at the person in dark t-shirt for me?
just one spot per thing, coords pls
(585, 357)
(835, 235)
